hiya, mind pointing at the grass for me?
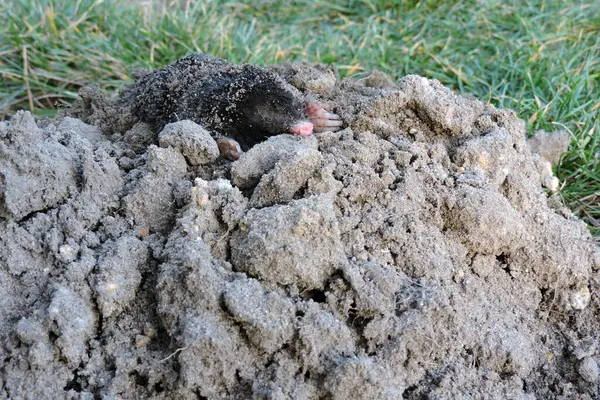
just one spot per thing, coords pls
(539, 57)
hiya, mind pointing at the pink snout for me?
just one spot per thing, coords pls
(303, 128)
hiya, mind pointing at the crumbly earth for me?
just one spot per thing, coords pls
(414, 254)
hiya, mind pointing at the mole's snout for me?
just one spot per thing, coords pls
(303, 128)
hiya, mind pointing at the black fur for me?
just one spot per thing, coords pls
(244, 102)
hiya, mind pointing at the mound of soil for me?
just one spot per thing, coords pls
(414, 254)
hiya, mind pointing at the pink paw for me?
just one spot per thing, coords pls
(303, 128)
(229, 148)
(322, 120)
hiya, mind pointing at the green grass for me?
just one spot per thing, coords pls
(541, 58)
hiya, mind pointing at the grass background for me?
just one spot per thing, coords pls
(540, 58)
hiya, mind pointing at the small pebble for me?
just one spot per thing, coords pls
(141, 340)
(596, 260)
(541, 217)
(68, 253)
(126, 163)
(459, 275)
(202, 199)
(299, 229)
(552, 183)
(585, 348)
(149, 331)
(580, 298)
(588, 369)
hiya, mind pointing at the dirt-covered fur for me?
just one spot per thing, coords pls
(244, 102)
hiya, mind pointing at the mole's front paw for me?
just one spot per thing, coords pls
(303, 128)
(229, 148)
(322, 120)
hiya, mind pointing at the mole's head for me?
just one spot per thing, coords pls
(273, 108)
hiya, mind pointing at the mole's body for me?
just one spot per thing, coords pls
(242, 102)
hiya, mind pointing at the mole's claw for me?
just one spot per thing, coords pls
(329, 115)
(323, 121)
(327, 129)
(330, 123)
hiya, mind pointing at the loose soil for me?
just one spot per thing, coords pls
(413, 254)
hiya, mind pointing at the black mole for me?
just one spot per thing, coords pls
(243, 102)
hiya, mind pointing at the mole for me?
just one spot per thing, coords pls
(240, 104)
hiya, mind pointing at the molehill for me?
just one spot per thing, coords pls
(413, 254)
